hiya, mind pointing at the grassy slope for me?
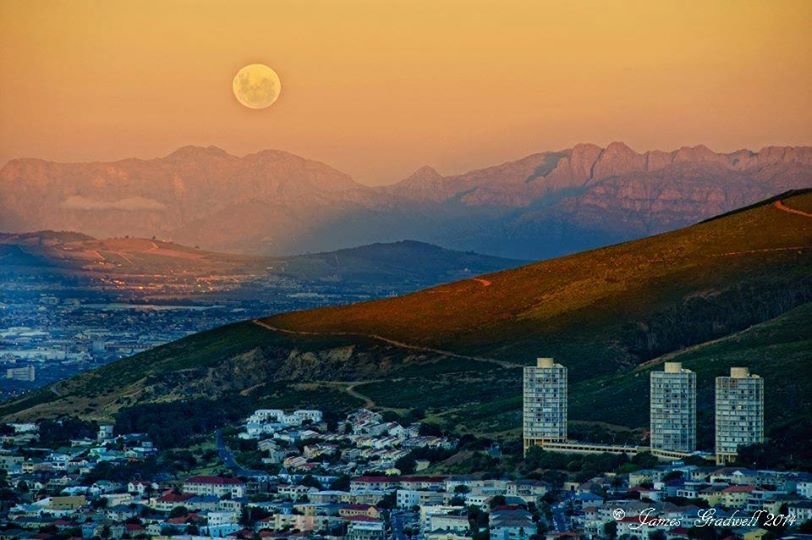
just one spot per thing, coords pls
(581, 309)
(779, 350)
(576, 307)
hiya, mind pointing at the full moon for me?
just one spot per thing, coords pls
(256, 86)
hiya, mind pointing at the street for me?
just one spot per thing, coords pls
(227, 457)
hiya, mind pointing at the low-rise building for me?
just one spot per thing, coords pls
(214, 485)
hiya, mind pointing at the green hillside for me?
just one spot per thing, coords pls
(732, 291)
(609, 309)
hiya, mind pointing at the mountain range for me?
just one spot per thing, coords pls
(733, 290)
(276, 203)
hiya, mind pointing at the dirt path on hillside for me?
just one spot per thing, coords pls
(765, 250)
(348, 387)
(779, 204)
(482, 281)
(368, 401)
(399, 344)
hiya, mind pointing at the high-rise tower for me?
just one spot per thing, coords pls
(545, 403)
(739, 413)
(673, 409)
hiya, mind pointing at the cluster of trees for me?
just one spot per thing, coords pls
(57, 433)
(782, 450)
(124, 472)
(176, 424)
(583, 465)
(699, 319)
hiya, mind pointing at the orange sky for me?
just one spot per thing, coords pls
(380, 87)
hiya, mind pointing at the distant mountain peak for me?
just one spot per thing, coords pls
(195, 152)
(619, 147)
(423, 174)
(423, 184)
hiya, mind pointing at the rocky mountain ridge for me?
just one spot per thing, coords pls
(274, 202)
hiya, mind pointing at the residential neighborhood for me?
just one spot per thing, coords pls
(358, 479)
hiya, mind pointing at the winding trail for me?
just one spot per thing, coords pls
(482, 281)
(764, 250)
(348, 387)
(779, 204)
(393, 342)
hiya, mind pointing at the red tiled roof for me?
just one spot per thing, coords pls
(175, 497)
(358, 506)
(215, 480)
(395, 479)
(190, 517)
(370, 479)
(738, 489)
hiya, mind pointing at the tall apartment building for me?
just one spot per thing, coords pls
(545, 403)
(673, 409)
(739, 413)
(27, 374)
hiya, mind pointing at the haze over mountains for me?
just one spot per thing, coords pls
(273, 202)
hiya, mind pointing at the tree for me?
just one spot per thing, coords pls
(391, 416)
(178, 511)
(342, 483)
(673, 475)
(702, 533)
(309, 481)
(477, 519)
(407, 464)
(388, 501)
(610, 529)
(431, 430)
(496, 500)
(645, 460)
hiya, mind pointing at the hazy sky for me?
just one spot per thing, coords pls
(378, 88)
